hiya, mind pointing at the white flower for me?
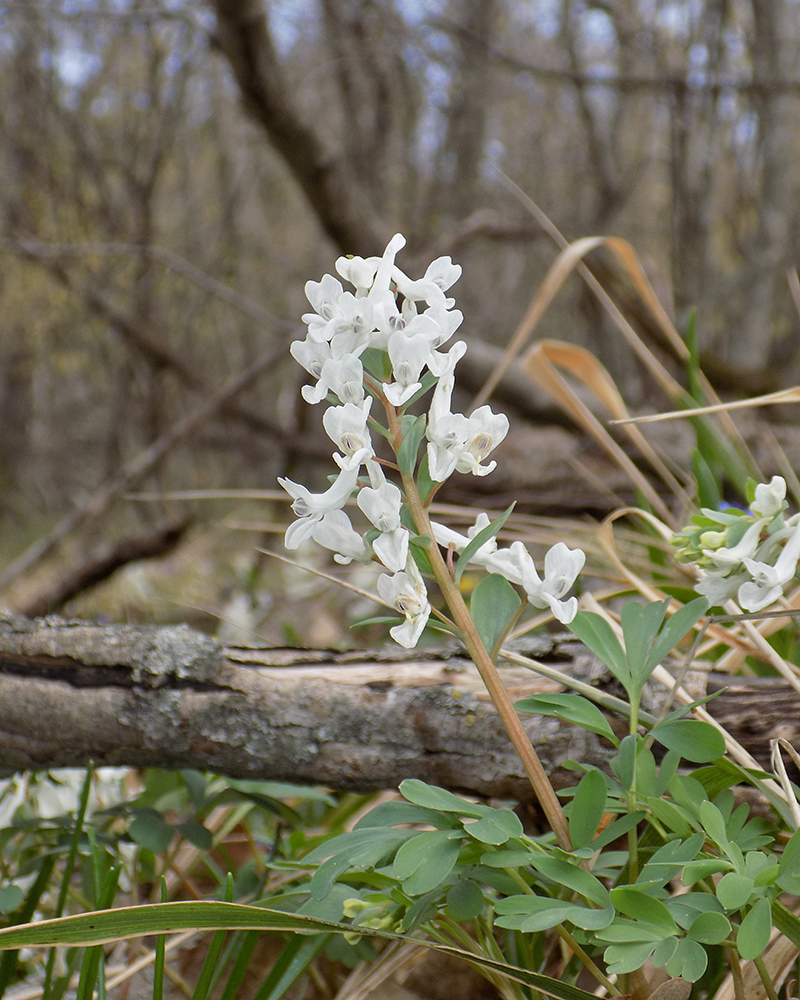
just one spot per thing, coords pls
(718, 588)
(342, 376)
(336, 532)
(768, 581)
(405, 591)
(382, 507)
(311, 507)
(561, 568)
(485, 430)
(409, 353)
(324, 296)
(446, 537)
(725, 559)
(311, 354)
(770, 498)
(347, 427)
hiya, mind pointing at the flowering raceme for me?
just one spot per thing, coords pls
(384, 340)
(747, 555)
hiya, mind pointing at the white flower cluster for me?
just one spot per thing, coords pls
(409, 321)
(750, 556)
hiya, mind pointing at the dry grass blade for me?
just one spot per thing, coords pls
(783, 396)
(541, 364)
(631, 265)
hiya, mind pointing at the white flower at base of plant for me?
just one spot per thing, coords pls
(405, 592)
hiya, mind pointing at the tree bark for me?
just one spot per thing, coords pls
(74, 692)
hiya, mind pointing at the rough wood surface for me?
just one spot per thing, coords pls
(71, 692)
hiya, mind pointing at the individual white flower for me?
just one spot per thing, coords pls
(311, 354)
(515, 563)
(312, 507)
(561, 568)
(354, 331)
(728, 558)
(382, 507)
(347, 427)
(405, 592)
(770, 498)
(342, 376)
(335, 532)
(409, 354)
(485, 430)
(446, 537)
(324, 296)
(768, 581)
(359, 271)
(718, 588)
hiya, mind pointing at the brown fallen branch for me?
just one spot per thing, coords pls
(99, 564)
(71, 692)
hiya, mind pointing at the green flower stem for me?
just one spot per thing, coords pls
(736, 971)
(765, 978)
(480, 657)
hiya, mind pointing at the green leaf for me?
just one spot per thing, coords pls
(377, 363)
(622, 958)
(425, 861)
(754, 931)
(689, 961)
(10, 898)
(734, 891)
(413, 430)
(674, 629)
(578, 879)
(588, 806)
(539, 913)
(640, 625)
(642, 907)
(595, 632)
(394, 813)
(572, 708)
(697, 870)
(196, 834)
(708, 494)
(479, 540)
(495, 828)
(714, 823)
(425, 484)
(492, 607)
(696, 741)
(465, 900)
(432, 797)
(789, 868)
(149, 830)
(710, 928)
(140, 921)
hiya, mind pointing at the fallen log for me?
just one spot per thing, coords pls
(74, 692)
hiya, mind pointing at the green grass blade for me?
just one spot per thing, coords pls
(140, 921)
(8, 960)
(161, 953)
(68, 869)
(293, 961)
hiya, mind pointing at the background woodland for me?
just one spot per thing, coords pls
(174, 171)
